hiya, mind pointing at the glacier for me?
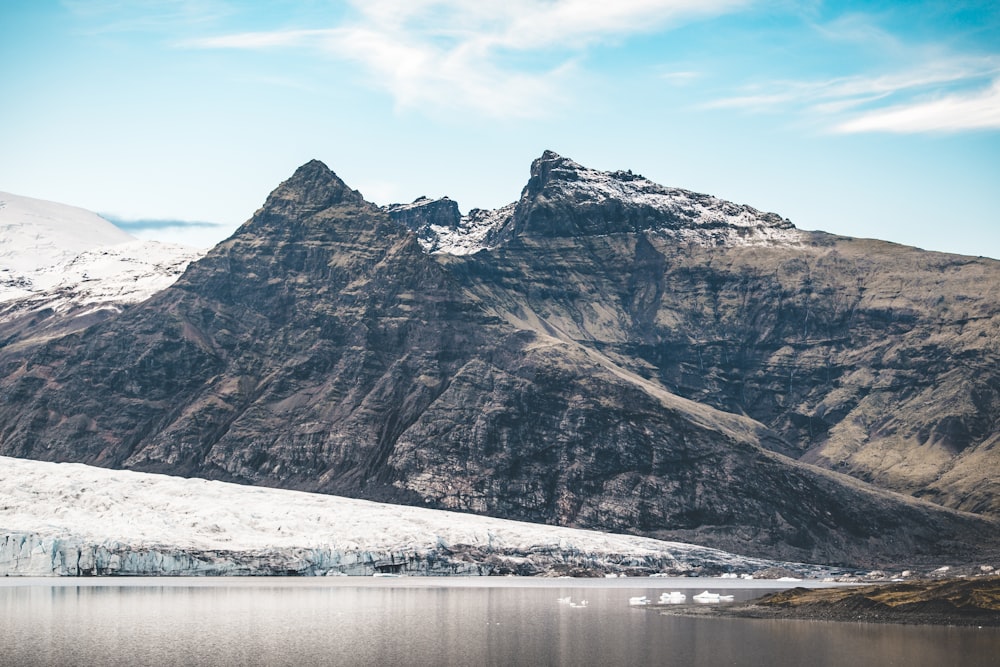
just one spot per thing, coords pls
(69, 519)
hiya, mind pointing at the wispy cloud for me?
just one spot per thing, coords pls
(144, 224)
(680, 78)
(498, 58)
(116, 16)
(194, 233)
(952, 113)
(265, 40)
(953, 93)
(898, 85)
(852, 91)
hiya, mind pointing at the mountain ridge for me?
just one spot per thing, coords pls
(617, 380)
(605, 203)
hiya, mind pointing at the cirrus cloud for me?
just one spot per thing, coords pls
(503, 59)
(977, 110)
(945, 94)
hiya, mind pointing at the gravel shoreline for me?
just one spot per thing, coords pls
(957, 602)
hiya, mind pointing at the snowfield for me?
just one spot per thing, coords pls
(72, 519)
(60, 257)
(36, 233)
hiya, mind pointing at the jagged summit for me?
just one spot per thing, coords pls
(565, 199)
(423, 212)
(550, 167)
(441, 228)
(316, 185)
(313, 188)
(313, 232)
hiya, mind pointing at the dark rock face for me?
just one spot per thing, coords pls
(867, 357)
(424, 212)
(597, 367)
(564, 199)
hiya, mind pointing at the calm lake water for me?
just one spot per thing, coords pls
(422, 621)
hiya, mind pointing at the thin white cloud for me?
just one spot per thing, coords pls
(115, 16)
(576, 23)
(917, 87)
(259, 40)
(845, 92)
(893, 102)
(952, 113)
(502, 58)
(680, 78)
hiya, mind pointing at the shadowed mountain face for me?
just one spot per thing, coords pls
(617, 355)
(867, 357)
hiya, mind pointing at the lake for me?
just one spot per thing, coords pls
(434, 621)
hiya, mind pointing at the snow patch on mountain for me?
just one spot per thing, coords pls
(687, 217)
(119, 274)
(441, 228)
(475, 232)
(71, 519)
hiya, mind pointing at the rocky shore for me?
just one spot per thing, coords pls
(964, 602)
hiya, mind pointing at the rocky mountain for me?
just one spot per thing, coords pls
(62, 268)
(867, 357)
(603, 353)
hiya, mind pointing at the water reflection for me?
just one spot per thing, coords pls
(363, 622)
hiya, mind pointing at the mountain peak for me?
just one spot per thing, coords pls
(563, 198)
(551, 157)
(551, 166)
(566, 199)
(296, 204)
(313, 187)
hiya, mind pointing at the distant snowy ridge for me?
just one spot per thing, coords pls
(70, 519)
(110, 275)
(59, 257)
(35, 233)
(687, 216)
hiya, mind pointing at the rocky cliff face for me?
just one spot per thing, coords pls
(603, 353)
(867, 357)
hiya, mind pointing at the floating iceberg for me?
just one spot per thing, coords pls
(706, 597)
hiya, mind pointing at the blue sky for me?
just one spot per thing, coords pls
(872, 119)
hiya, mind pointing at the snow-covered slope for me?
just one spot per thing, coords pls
(59, 257)
(453, 235)
(116, 274)
(474, 232)
(69, 519)
(35, 233)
